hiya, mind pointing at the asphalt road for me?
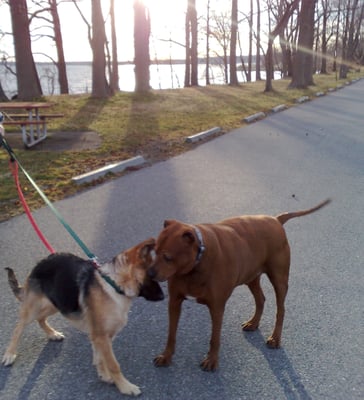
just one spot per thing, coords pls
(289, 161)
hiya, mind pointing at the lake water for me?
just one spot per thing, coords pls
(79, 77)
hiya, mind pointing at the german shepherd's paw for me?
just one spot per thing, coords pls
(56, 336)
(8, 359)
(130, 389)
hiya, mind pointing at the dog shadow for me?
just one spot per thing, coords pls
(281, 366)
(50, 352)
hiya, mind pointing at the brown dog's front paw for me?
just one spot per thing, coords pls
(273, 343)
(249, 326)
(162, 361)
(209, 364)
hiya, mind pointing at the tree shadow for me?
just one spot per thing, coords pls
(141, 115)
(85, 116)
(281, 366)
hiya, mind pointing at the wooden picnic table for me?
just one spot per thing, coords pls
(33, 123)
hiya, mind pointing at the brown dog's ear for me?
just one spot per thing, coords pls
(146, 247)
(188, 236)
(168, 222)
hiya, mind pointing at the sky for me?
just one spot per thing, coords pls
(167, 17)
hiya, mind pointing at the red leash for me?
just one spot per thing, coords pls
(13, 165)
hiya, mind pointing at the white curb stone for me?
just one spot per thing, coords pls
(202, 135)
(279, 108)
(254, 117)
(302, 99)
(116, 167)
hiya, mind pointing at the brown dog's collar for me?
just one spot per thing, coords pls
(201, 247)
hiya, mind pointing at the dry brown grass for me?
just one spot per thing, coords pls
(154, 125)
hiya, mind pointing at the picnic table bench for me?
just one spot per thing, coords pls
(33, 124)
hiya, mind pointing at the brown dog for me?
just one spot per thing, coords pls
(74, 287)
(207, 261)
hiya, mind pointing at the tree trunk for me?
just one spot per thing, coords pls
(27, 77)
(343, 67)
(114, 76)
(234, 29)
(3, 96)
(258, 76)
(61, 63)
(334, 67)
(100, 86)
(323, 69)
(141, 46)
(285, 53)
(194, 45)
(188, 51)
(207, 74)
(191, 72)
(281, 24)
(249, 76)
(269, 66)
(303, 60)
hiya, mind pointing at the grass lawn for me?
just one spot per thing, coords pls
(153, 125)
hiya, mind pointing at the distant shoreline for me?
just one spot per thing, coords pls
(201, 61)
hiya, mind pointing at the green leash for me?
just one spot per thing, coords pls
(74, 235)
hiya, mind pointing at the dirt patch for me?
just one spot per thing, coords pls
(59, 141)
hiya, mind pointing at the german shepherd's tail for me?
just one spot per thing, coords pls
(283, 218)
(14, 285)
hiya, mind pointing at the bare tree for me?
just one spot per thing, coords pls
(207, 73)
(325, 16)
(114, 74)
(281, 24)
(250, 51)
(47, 12)
(61, 63)
(220, 31)
(258, 76)
(353, 17)
(191, 72)
(286, 40)
(27, 77)
(141, 46)
(303, 60)
(100, 86)
(233, 37)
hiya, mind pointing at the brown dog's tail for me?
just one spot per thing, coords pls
(283, 218)
(14, 285)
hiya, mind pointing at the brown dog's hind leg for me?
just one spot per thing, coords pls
(256, 290)
(280, 287)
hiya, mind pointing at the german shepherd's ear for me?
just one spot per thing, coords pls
(146, 247)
